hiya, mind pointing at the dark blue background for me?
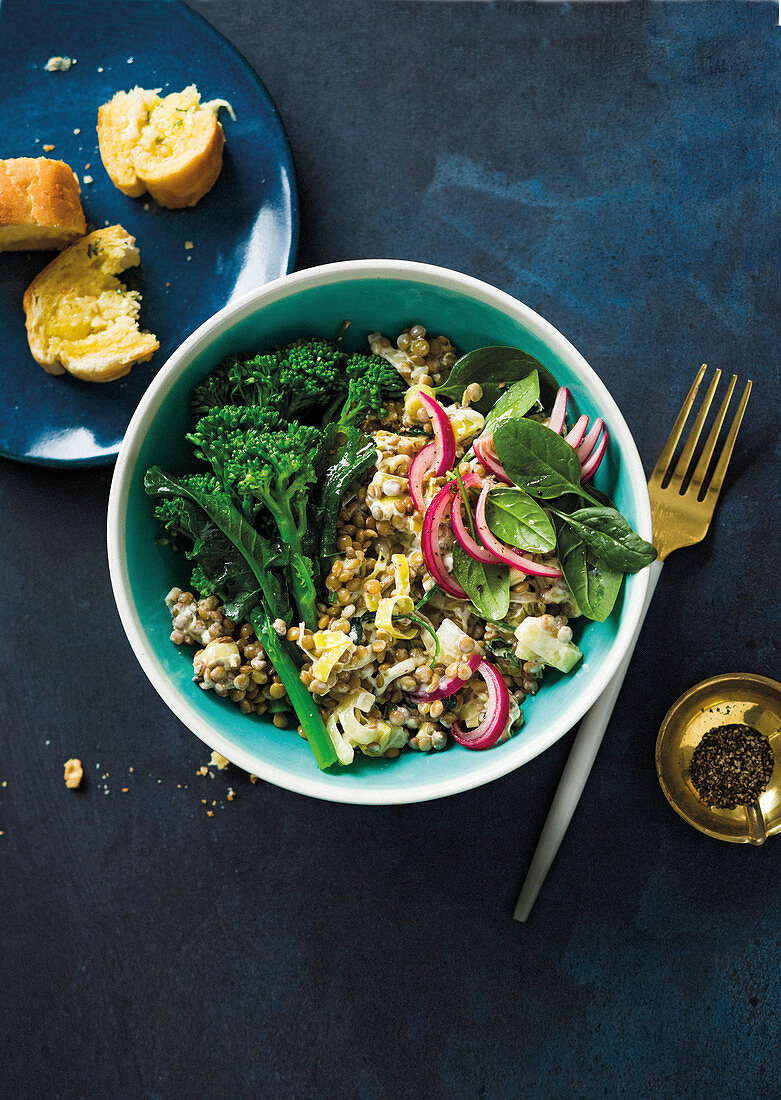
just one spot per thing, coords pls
(614, 166)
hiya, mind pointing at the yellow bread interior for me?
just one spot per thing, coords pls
(80, 318)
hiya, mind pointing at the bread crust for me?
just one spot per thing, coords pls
(40, 204)
(79, 316)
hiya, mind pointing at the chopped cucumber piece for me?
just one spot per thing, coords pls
(534, 643)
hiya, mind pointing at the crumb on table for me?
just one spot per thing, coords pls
(73, 773)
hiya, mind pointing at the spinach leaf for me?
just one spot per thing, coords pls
(496, 368)
(610, 538)
(515, 402)
(515, 518)
(488, 586)
(594, 584)
(537, 459)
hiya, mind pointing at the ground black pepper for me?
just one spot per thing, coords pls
(731, 766)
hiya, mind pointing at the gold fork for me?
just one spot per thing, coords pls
(682, 518)
(682, 505)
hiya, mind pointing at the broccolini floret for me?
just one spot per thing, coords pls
(266, 469)
(212, 433)
(276, 469)
(311, 374)
(370, 380)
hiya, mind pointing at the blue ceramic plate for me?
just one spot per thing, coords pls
(243, 232)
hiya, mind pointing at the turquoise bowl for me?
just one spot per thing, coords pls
(385, 295)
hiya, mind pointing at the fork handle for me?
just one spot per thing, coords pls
(576, 771)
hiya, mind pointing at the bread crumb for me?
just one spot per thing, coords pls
(219, 761)
(100, 68)
(130, 61)
(210, 813)
(125, 790)
(48, 148)
(231, 794)
(253, 778)
(77, 131)
(86, 179)
(73, 773)
(86, 166)
(59, 64)
(188, 244)
(205, 801)
(202, 771)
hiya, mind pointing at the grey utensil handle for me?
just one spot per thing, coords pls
(576, 771)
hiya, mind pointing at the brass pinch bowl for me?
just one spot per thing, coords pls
(730, 698)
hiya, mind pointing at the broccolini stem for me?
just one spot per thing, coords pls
(303, 703)
(304, 591)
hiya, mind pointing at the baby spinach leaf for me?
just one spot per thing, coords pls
(537, 459)
(610, 538)
(515, 518)
(496, 368)
(515, 402)
(488, 586)
(594, 584)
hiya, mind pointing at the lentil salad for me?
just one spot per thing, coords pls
(427, 626)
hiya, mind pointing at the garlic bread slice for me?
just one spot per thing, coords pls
(80, 318)
(171, 146)
(40, 204)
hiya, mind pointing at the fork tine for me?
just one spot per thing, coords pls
(710, 444)
(672, 440)
(726, 453)
(682, 465)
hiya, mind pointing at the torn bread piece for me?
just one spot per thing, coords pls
(40, 204)
(80, 317)
(170, 147)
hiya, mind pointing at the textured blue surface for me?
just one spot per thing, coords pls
(615, 166)
(242, 233)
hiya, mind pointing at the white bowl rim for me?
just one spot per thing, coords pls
(322, 785)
